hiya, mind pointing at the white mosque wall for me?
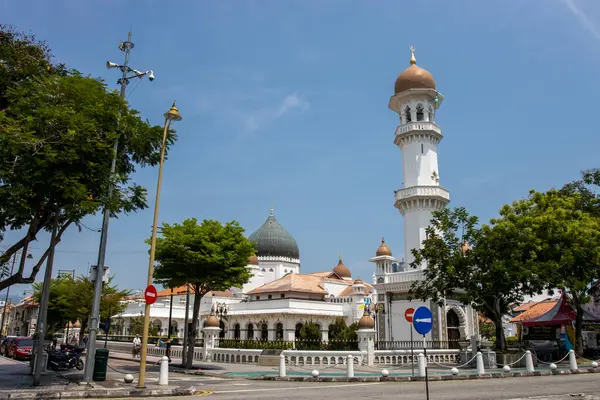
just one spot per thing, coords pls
(256, 280)
(275, 269)
(335, 287)
(420, 160)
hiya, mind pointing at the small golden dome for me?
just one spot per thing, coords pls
(414, 77)
(253, 260)
(358, 281)
(366, 322)
(212, 321)
(77, 324)
(341, 270)
(383, 249)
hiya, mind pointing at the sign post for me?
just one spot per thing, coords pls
(423, 322)
(408, 315)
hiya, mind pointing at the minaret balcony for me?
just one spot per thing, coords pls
(421, 197)
(422, 131)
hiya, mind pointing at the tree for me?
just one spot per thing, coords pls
(57, 133)
(487, 329)
(70, 300)
(342, 336)
(565, 239)
(210, 256)
(482, 267)
(136, 327)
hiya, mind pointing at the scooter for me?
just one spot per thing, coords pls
(67, 358)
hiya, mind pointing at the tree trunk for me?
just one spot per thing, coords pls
(500, 339)
(579, 329)
(189, 361)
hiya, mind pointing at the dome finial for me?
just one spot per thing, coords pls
(340, 256)
(413, 60)
(271, 211)
(382, 240)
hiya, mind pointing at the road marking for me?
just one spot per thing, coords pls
(241, 384)
(295, 388)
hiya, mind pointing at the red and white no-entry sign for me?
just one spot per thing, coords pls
(150, 294)
(408, 314)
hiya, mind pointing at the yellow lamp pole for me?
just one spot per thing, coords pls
(170, 116)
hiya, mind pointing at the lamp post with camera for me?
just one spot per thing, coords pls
(127, 75)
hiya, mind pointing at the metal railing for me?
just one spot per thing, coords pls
(288, 344)
(417, 344)
(175, 341)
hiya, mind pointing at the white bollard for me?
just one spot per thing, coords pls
(572, 360)
(529, 361)
(281, 366)
(350, 367)
(480, 367)
(163, 378)
(128, 378)
(315, 373)
(422, 364)
(385, 373)
(594, 364)
(454, 371)
(553, 367)
(506, 368)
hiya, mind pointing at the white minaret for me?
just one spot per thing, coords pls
(416, 101)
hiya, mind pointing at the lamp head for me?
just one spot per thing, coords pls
(150, 75)
(173, 114)
(110, 65)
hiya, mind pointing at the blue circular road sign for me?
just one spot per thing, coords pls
(423, 320)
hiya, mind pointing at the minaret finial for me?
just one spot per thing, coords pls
(271, 212)
(413, 60)
(382, 240)
(340, 256)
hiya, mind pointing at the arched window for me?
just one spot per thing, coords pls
(453, 323)
(222, 331)
(407, 116)
(264, 332)
(250, 332)
(298, 329)
(236, 331)
(420, 112)
(279, 331)
(430, 114)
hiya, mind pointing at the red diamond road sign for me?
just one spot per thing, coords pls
(150, 294)
(408, 314)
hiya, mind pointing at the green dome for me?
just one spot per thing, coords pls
(271, 240)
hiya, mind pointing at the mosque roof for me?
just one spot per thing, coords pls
(293, 282)
(272, 240)
(414, 77)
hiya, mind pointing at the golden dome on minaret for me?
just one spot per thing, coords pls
(414, 77)
(383, 249)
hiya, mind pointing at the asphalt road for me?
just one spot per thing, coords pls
(584, 386)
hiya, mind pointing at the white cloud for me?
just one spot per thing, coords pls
(584, 21)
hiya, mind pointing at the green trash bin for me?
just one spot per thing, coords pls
(100, 365)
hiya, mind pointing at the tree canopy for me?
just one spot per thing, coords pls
(70, 300)
(209, 256)
(479, 266)
(565, 239)
(57, 133)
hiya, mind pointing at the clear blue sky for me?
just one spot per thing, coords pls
(285, 102)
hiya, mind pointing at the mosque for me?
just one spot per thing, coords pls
(279, 298)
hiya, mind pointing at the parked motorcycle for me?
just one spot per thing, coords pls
(68, 357)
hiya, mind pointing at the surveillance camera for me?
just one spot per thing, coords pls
(110, 65)
(150, 75)
(138, 73)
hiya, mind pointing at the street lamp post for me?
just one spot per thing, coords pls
(99, 268)
(170, 116)
(170, 327)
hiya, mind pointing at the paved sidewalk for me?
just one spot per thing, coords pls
(16, 381)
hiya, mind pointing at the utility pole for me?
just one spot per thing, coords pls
(99, 268)
(43, 311)
(185, 325)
